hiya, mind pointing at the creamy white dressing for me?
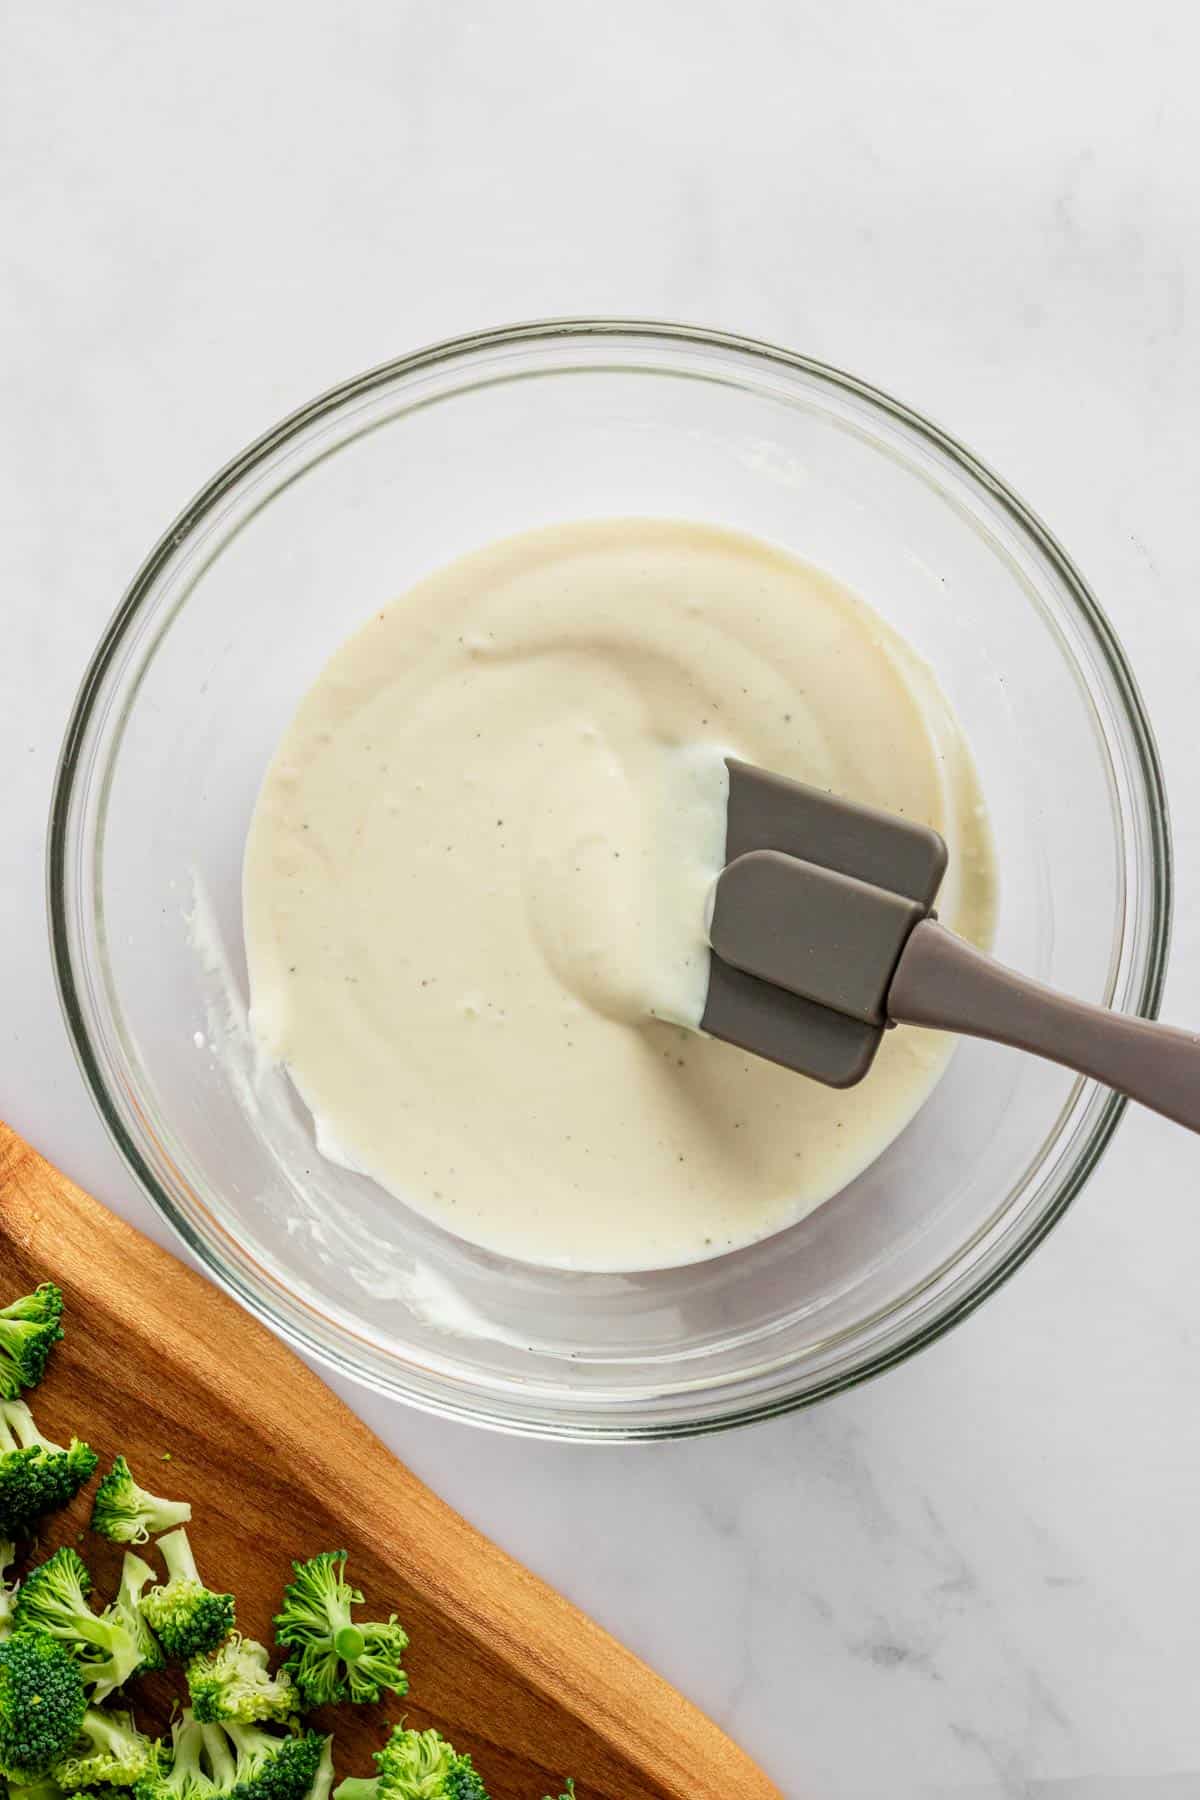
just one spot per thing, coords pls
(476, 880)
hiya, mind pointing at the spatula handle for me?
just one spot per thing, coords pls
(944, 982)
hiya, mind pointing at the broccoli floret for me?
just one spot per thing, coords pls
(136, 1574)
(109, 1749)
(322, 1781)
(54, 1598)
(36, 1476)
(233, 1683)
(417, 1765)
(333, 1658)
(187, 1617)
(237, 1762)
(568, 1792)
(175, 1772)
(42, 1701)
(127, 1514)
(250, 1763)
(412, 1757)
(29, 1330)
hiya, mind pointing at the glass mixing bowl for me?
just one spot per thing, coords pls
(343, 506)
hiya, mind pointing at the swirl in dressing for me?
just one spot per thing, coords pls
(476, 877)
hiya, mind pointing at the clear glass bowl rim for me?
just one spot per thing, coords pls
(334, 1348)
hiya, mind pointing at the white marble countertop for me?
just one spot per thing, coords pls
(981, 1575)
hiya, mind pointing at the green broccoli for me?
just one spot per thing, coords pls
(182, 1611)
(237, 1762)
(416, 1765)
(47, 1788)
(44, 1788)
(175, 1773)
(358, 1787)
(8, 1590)
(127, 1514)
(333, 1658)
(42, 1701)
(36, 1476)
(109, 1750)
(232, 1682)
(569, 1793)
(250, 1763)
(136, 1574)
(29, 1330)
(54, 1598)
(322, 1781)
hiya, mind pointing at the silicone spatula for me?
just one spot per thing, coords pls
(823, 934)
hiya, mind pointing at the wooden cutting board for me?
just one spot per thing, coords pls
(156, 1359)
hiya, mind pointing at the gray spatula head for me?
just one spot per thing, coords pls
(822, 932)
(784, 909)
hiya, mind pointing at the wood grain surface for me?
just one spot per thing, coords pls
(157, 1360)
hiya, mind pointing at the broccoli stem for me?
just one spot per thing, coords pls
(94, 1630)
(171, 1512)
(220, 1756)
(18, 1431)
(8, 1552)
(323, 1779)
(45, 1789)
(349, 1642)
(249, 1740)
(135, 1574)
(187, 1742)
(177, 1554)
(103, 1731)
(357, 1787)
